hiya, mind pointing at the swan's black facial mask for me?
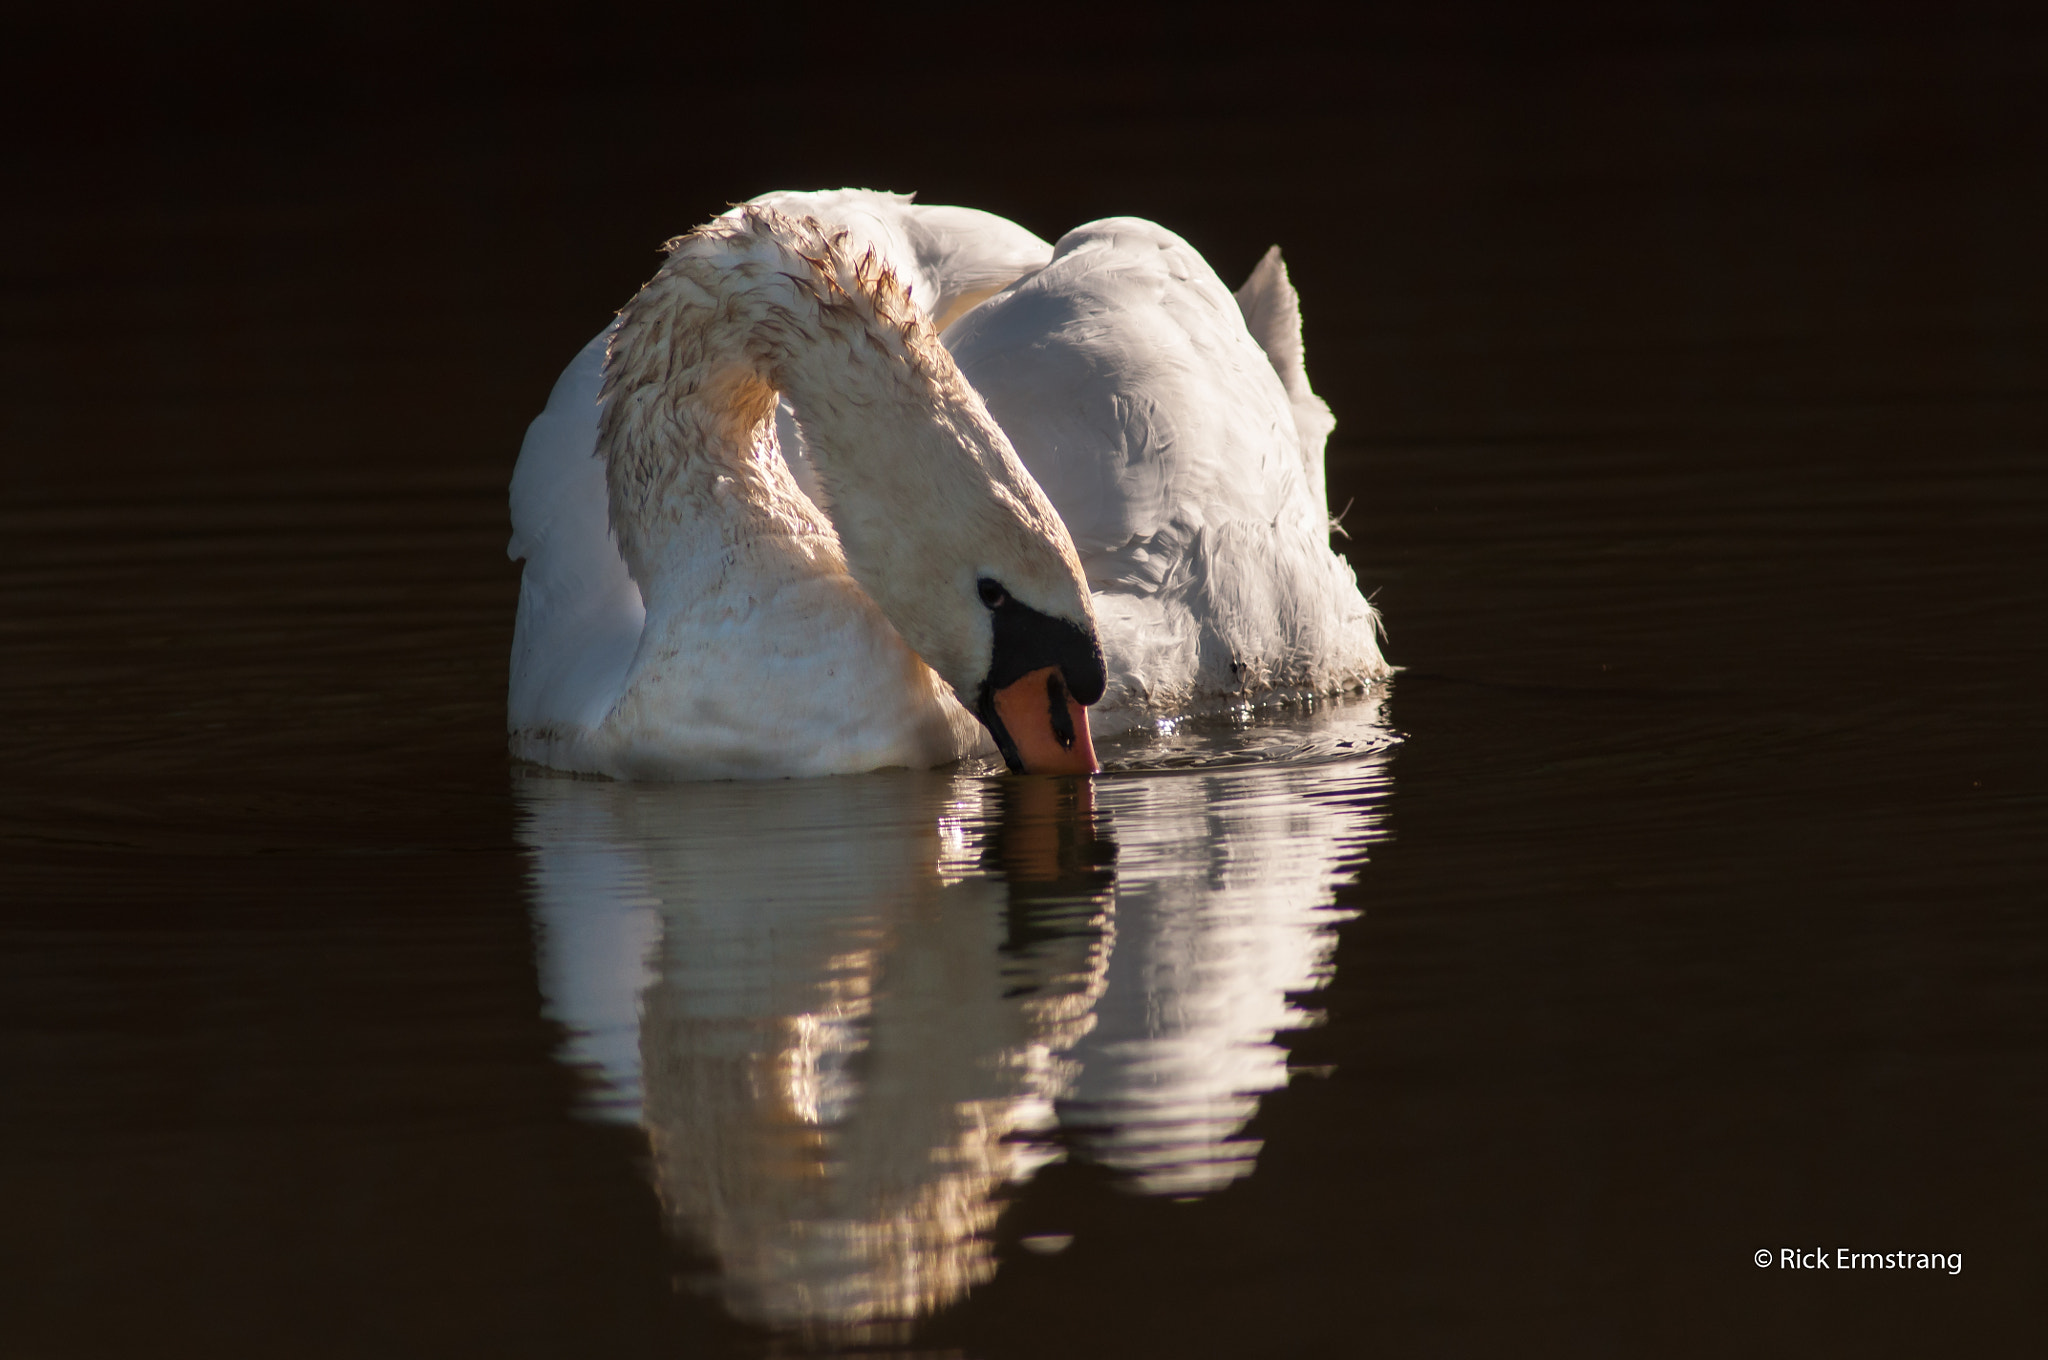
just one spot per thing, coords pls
(1027, 640)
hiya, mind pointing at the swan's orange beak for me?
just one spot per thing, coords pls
(1047, 726)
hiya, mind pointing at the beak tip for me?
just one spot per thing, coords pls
(1033, 731)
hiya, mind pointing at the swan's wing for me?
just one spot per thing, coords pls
(1124, 374)
(969, 255)
(1165, 435)
(1272, 313)
(580, 614)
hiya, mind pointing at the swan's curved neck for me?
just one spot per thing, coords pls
(746, 308)
(915, 472)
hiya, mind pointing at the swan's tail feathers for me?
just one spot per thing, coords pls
(1272, 313)
(580, 614)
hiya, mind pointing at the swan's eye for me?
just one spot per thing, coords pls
(991, 594)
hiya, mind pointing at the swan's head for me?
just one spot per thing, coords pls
(939, 521)
(972, 564)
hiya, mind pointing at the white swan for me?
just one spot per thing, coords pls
(852, 581)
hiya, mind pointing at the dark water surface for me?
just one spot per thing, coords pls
(1693, 394)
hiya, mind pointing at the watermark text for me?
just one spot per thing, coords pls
(1848, 1258)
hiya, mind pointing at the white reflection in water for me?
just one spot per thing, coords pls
(848, 1012)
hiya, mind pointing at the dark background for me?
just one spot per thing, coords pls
(1689, 367)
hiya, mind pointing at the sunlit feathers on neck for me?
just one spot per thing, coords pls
(925, 492)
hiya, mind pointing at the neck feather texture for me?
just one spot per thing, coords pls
(920, 480)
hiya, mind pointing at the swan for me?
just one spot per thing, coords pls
(856, 482)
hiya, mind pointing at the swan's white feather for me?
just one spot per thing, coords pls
(1167, 437)
(1169, 422)
(581, 618)
(1272, 313)
(580, 615)
(948, 259)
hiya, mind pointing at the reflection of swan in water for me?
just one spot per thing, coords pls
(840, 1027)
(1223, 917)
(848, 1012)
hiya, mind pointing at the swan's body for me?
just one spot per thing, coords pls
(794, 599)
